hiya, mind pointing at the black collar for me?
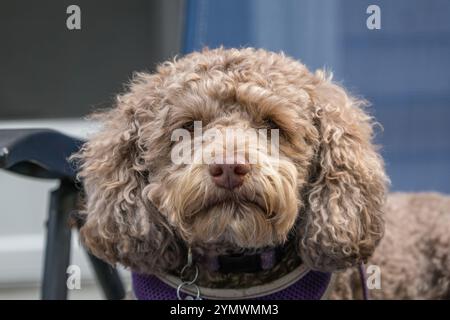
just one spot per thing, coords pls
(244, 262)
(250, 263)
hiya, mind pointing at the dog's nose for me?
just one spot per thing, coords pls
(228, 176)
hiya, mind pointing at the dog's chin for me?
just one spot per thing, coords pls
(243, 225)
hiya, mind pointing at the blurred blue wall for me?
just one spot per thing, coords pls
(402, 69)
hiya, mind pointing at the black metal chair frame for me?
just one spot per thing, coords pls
(43, 153)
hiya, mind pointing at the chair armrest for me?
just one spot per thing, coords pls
(41, 153)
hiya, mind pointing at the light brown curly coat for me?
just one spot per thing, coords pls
(414, 255)
(142, 210)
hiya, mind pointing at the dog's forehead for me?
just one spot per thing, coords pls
(213, 94)
(255, 84)
(209, 108)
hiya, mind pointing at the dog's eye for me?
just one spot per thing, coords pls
(271, 124)
(189, 126)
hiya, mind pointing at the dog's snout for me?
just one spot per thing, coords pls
(228, 176)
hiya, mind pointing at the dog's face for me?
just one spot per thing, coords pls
(157, 180)
(230, 186)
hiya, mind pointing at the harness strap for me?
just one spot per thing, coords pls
(300, 284)
(362, 276)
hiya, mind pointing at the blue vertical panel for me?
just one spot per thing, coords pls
(307, 30)
(215, 23)
(402, 69)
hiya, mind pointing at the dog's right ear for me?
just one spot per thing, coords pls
(121, 224)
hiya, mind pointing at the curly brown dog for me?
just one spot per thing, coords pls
(414, 254)
(322, 195)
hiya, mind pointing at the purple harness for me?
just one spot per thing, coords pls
(312, 286)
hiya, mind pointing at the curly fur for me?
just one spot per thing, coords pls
(142, 210)
(413, 257)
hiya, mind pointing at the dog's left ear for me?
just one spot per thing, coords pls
(343, 222)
